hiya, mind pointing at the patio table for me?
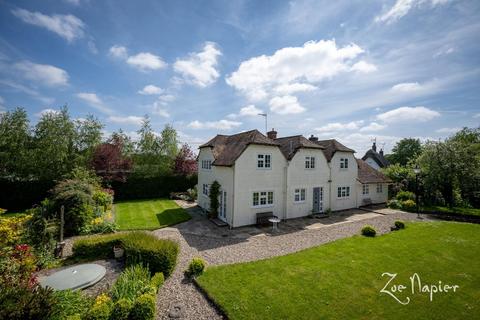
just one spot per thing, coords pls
(274, 222)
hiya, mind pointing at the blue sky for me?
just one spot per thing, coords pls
(350, 70)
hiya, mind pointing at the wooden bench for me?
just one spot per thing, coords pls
(262, 218)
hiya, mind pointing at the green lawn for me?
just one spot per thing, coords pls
(148, 214)
(457, 210)
(343, 279)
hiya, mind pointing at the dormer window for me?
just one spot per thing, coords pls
(207, 164)
(264, 161)
(309, 162)
(343, 163)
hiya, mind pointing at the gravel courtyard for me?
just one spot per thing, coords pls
(180, 299)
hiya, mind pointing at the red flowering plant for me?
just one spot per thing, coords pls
(17, 267)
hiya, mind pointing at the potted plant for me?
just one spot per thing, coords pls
(118, 251)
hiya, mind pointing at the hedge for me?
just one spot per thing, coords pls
(21, 195)
(159, 255)
(152, 187)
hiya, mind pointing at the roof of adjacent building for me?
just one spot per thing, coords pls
(227, 149)
(367, 174)
(377, 157)
(331, 146)
(290, 145)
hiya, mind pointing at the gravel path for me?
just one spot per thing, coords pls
(179, 298)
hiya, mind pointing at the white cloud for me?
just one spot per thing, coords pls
(2, 102)
(118, 52)
(402, 7)
(93, 100)
(165, 99)
(46, 111)
(250, 110)
(157, 108)
(68, 26)
(200, 67)
(74, 2)
(285, 105)
(338, 126)
(291, 68)
(126, 119)
(151, 90)
(445, 51)
(146, 61)
(219, 125)
(476, 115)
(373, 127)
(42, 73)
(403, 114)
(448, 130)
(407, 87)
(33, 93)
(364, 67)
(289, 88)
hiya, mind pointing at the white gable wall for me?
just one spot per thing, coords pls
(344, 178)
(299, 177)
(373, 195)
(248, 178)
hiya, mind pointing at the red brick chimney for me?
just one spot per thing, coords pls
(272, 134)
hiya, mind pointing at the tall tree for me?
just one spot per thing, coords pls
(109, 162)
(404, 151)
(88, 136)
(121, 138)
(15, 139)
(169, 142)
(185, 162)
(54, 141)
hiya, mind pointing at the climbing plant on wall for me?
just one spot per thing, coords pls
(214, 193)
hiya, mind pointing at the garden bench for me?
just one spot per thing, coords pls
(262, 217)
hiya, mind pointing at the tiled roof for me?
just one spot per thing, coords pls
(290, 145)
(227, 149)
(377, 157)
(367, 174)
(331, 146)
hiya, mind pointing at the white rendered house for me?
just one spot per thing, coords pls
(291, 177)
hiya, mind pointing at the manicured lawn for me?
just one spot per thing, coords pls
(148, 214)
(343, 279)
(457, 210)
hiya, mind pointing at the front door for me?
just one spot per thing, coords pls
(318, 199)
(222, 206)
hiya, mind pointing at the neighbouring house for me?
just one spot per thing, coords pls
(290, 176)
(375, 159)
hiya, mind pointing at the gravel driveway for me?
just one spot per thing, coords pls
(179, 298)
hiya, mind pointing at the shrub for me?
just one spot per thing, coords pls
(157, 280)
(409, 205)
(399, 224)
(196, 267)
(192, 194)
(103, 199)
(143, 308)
(405, 195)
(369, 231)
(70, 304)
(121, 309)
(11, 229)
(101, 309)
(101, 227)
(131, 283)
(26, 303)
(17, 267)
(96, 247)
(394, 204)
(213, 194)
(158, 254)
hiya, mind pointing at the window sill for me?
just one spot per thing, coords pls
(264, 168)
(298, 202)
(262, 206)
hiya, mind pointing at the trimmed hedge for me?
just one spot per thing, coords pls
(97, 247)
(143, 308)
(369, 231)
(152, 187)
(159, 255)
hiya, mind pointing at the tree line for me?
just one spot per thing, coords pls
(449, 169)
(56, 144)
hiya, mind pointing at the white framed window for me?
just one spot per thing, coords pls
(207, 164)
(343, 192)
(309, 162)
(264, 161)
(299, 195)
(262, 199)
(379, 188)
(365, 189)
(205, 189)
(343, 163)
